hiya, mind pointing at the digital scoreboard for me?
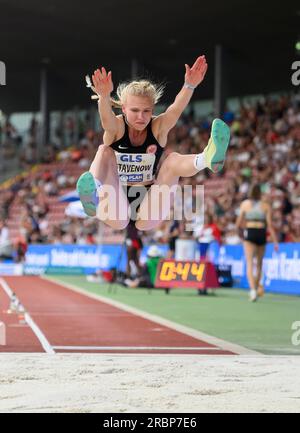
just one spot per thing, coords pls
(186, 273)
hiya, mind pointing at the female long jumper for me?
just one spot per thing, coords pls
(133, 144)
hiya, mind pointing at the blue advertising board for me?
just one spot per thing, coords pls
(281, 270)
(84, 259)
(87, 258)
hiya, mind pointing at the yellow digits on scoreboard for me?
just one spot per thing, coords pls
(167, 272)
(170, 270)
(198, 270)
(182, 269)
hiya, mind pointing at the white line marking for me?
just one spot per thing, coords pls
(2, 334)
(37, 331)
(224, 345)
(133, 348)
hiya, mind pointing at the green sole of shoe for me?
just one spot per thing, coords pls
(220, 134)
(86, 187)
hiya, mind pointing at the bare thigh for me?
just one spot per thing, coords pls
(157, 203)
(113, 207)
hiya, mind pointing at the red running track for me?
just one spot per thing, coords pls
(19, 335)
(74, 322)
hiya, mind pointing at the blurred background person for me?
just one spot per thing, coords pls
(171, 237)
(6, 248)
(134, 246)
(148, 271)
(255, 218)
(207, 233)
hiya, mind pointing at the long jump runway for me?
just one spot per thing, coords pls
(60, 320)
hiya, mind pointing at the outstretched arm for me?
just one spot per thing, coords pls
(103, 86)
(193, 77)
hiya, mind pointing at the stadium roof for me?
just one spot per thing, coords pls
(77, 36)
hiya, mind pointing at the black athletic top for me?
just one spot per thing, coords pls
(137, 163)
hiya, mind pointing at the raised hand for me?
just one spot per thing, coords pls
(196, 73)
(102, 82)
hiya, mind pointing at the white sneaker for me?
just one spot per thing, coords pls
(253, 295)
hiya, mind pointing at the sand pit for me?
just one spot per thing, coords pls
(152, 383)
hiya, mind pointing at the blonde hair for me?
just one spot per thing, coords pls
(142, 88)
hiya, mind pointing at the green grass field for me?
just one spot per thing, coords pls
(264, 326)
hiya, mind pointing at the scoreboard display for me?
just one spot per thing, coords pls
(186, 273)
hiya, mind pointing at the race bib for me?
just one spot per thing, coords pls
(135, 167)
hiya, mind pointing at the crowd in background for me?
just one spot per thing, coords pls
(264, 148)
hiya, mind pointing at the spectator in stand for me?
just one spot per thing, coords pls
(287, 206)
(207, 233)
(6, 249)
(6, 202)
(231, 236)
(33, 129)
(293, 233)
(29, 155)
(9, 130)
(70, 129)
(21, 248)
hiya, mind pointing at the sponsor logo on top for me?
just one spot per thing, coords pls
(131, 158)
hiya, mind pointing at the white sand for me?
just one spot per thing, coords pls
(148, 383)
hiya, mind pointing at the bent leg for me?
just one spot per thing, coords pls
(112, 208)
(158, 201)
(176, 166)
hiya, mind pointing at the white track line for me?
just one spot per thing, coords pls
(222, 344)
(37, 331)
(133, 348)
(2, 334)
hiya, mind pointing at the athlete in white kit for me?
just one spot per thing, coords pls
(133, 143)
